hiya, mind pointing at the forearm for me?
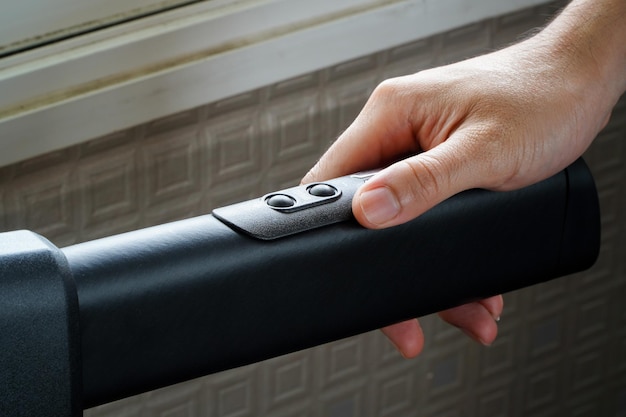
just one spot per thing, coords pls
(593, 33)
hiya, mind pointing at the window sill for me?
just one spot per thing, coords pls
(103, 82)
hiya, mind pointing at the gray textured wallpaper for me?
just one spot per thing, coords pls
(562, 345)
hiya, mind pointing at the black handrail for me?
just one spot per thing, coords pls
(181, 300)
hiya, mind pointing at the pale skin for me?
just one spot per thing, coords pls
(499, 121)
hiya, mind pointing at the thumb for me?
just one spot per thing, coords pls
(408, 188)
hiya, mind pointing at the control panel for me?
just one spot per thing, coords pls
(294, 210)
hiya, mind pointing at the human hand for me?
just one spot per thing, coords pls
(501, 121)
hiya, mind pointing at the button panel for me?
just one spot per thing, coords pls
(302, 197)
(294, 210)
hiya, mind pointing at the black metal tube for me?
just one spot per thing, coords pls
(181, 300)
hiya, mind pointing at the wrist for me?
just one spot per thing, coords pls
(590, 36)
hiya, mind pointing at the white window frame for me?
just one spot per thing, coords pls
(29, 23)
(113, 79)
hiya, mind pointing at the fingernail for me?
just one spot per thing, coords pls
(483, 342)
(475, 337)
(497, 319)
(399, 350)
(379, 205)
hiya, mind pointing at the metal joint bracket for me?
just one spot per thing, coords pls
(39, 339)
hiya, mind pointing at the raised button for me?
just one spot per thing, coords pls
(322, 190)
(280, 201)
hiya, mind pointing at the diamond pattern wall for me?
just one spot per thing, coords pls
(561, 350)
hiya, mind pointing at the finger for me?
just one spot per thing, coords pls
(407, 337)
(475, 320)
(494, 305)
(379, 134)
(408, 188)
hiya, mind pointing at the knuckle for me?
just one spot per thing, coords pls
(426, 178)
(388, 89)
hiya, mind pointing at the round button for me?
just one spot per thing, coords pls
(322, 190)
(280, 201)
